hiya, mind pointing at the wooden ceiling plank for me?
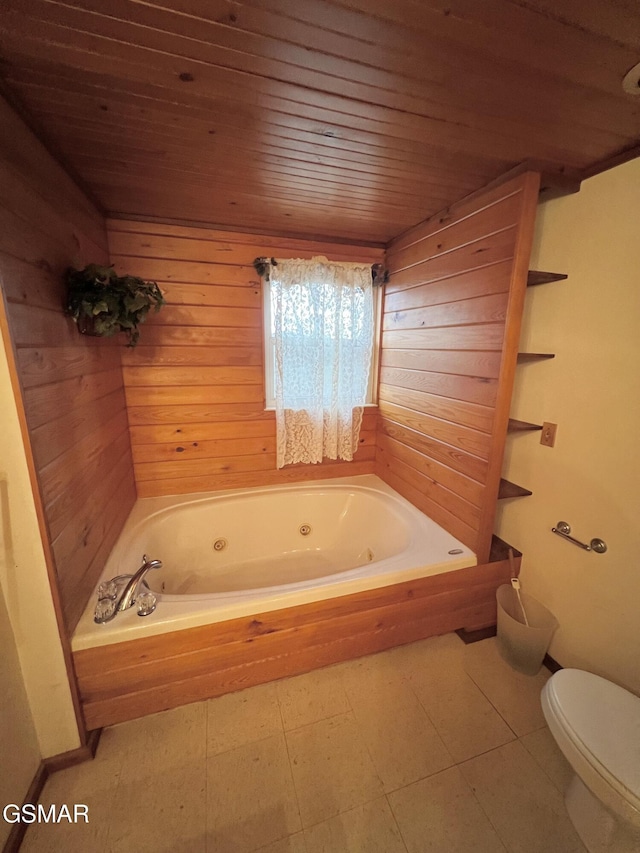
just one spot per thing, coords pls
(91, 44)
(241, 199)
(225, 199)
(107, 88)
(457, 77)
(115, 143)
(305, 221)
(227, 202)
(352, 117)
(280, 170)
(618, 22)
(181, 141)
(263, 181)
(314, 105)
(563, 47)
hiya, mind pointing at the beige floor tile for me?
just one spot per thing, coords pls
(251, 799)
(464, 718)
(315, 696)
(216, 777)
(400, 737)
(441, 815)
(160, 742)
(161, 811)
(71, 838)
(93, 784)
(515, 696)
(522, 803)
(292, 844)
(544, 749)
(244, 717)
(160, 802)
(331, 768)
(370, 828)
(435, 654)
(374, 674)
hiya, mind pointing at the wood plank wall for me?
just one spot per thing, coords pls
(449, 345)
(194, 384)
(70, 386)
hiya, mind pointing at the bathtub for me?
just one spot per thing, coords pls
(247, 551)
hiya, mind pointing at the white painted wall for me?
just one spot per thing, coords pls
(19, 750)
(591, 478)
(25, 586)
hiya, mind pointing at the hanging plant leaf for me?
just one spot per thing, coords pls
(99, 307)
(103, 303)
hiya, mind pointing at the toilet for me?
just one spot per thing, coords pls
(596, 724)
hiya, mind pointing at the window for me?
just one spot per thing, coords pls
(270, 349)
(320, 355)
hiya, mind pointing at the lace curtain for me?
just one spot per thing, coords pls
(322, 318)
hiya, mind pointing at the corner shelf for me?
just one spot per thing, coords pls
(555, 184)
(535, 277)
(521, 426)
(511, 490)
(534, 356)
(507, 489)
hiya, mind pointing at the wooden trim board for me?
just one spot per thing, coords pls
(74, 756)
(126, 680)
(18, 830)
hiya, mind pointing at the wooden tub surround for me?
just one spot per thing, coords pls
(125, 680)
(450, 333)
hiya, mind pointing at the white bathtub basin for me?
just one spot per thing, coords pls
(246, 551)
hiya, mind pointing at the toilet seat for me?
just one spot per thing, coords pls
(597, 727)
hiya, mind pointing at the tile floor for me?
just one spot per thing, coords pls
(435, 746)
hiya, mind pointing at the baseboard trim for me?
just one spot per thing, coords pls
(551, 664)
(477, 635)
(484, 633)
(18, 830)
(46, 767)
(74, 756)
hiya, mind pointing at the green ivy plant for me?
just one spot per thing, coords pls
(103, 303)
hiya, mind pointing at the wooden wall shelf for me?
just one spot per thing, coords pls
(522, 426)
(556, 185)
(535, 277)
(508, 489)
(534, 356)
(511, 490)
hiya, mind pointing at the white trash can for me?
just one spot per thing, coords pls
(523, 647)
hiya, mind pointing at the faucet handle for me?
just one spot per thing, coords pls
(105, 610)
(109, 589)
(146, 603)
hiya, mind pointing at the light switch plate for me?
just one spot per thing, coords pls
(548, 434)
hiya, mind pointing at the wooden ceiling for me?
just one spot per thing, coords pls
(347, 118)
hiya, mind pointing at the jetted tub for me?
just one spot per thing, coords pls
(246, 551)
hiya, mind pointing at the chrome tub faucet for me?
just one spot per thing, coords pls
(123, 591)
(130, 594)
